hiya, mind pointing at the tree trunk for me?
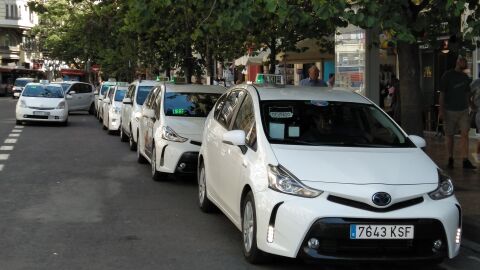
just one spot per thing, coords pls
(188, 64)
(209, 63)
(410, 92)
(273, 55)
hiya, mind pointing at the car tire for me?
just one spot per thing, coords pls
(249, 232)
(65, 123)
(91, 110)
(205, 204)
(18, 122)
(131, 142)
(140, 158)
(156, 175)
(123, 136)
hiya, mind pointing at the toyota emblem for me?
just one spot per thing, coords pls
(381, 198)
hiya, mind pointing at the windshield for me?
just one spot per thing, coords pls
(21, 83)
(189, 104)
(104, 89)
(120, 94)
(45, 91)
(142, 93)
(318, 122)
(65, 86)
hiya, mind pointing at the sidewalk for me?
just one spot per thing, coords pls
(467, 182)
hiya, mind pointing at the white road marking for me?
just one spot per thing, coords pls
(13, 135)
(11, 141)
(1, 167)
(4, 156)
(6, 148)
(18, 126)
(17, 130)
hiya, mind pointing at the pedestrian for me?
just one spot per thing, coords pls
(454, 104)
(312, 79)
(396, 112)
(476, 106)
(331, 80)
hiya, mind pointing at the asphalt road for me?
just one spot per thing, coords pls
(75, 198)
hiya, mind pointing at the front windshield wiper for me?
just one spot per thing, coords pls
(292, 141)
(356, 144)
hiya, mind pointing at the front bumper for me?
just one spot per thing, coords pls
(55, 115)
(114, 122)
(297, 219)
(175, 157)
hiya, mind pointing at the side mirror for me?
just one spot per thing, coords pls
(106, 100)
(68, 96)
(148, 113)
(72, 93)
(234, 137)
(418, 141)
(127, 101)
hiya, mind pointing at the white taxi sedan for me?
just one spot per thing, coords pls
(42, 102)
(171, 127)
(112, 108)
(324, 174)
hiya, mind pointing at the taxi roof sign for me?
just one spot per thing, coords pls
(269, 80)
(178, 80)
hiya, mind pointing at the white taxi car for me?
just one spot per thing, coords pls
(112, 107)
(42, 102)
(131, 110)
(171, 126)
(324, 174)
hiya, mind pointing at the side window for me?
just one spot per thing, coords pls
(219, 105)
(75, 87)
(245, 121)
(157, 104)
(83, 88)
(151, 97)
(131, 90)
(226, 112)
(111, 92)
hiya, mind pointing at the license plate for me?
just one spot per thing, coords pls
(41, 113)
(16, 94)
(381, 231)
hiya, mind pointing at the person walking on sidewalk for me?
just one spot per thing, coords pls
(476, 105)
(454, 103)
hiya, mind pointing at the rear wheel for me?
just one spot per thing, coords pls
(140, 158)
(205, 204)
(91, 110)
(249, 231)
(123, 136)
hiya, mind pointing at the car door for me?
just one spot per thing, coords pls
(73, 103)
(106, 105)
(127, 110)
(146, 122)
(217, 151)
(154, 123)
(85, 96)
(241, 159)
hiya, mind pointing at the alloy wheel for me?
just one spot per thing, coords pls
(248, 226)
(202, 185)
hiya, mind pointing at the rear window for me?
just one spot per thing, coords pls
(45, 91)
(189, 104)
(120, 94)
(142, 94)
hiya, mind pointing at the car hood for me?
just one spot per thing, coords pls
(189, 127)
(42, 102)
(357, 166)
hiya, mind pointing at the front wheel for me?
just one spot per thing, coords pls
(131, 141)
(205, 204)
(249, 231)
(18, 122)
(140, 158)
(156, 175)
(123, 136)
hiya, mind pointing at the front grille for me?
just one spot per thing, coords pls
(334, 240)
(41, 108)
(36, 116)
(196, 143)
(364, 206)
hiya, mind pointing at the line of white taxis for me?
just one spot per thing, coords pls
(317, 173)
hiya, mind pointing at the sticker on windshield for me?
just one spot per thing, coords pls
(281, 112)
(319, 103)
(178, 111)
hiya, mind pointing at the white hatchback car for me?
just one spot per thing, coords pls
(83, 98)
(112, 107)
(132, 110)
(324, 174)
(171, 127)
(42, 102)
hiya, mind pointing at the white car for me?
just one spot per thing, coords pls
(83, 98)
(19, 85)
(171, 126)
(42, 102)
(324, 174)
(100, 96)
(131, 110)
(112, 107)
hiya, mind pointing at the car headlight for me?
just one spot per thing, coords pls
(281, 180)
(61, 105)
(170, 135)
(445, 187)
(116, 109)
(22, 104)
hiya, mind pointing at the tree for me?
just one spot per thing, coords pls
(412, 21)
